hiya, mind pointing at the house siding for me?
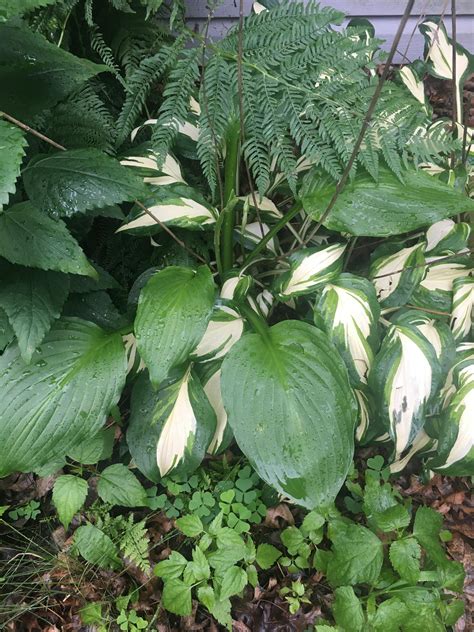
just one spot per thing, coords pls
(384, 15)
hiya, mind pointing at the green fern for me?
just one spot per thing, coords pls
(175, 107)
(139, 84)
(134, 543)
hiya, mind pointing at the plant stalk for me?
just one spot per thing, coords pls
(258, 324)
(231, 168)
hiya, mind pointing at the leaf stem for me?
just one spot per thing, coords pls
(272, 232)
(230, 189)
(258, 324)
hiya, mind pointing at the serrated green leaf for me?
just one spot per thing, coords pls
(31, 238)
(6, 332)
(96, 448)
(426, 529)
(390, 616)
(357, 555)
(37, 81)
(171, 568)
(11, 8)
(32, 299)
(383, 511)
(347, 609)
(69, 495)
(234, 581)
(267, 555)
(405, 558)
(190, 525)
(12, 150)
(292, 538)
(119, 486)
(274, 403)
(173, 311)
(206, 596)
(70, 386)
(96, 547)
(74, 181)
(176, 597)
(384, 208)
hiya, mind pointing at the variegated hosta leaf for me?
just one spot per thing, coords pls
(223, 434)
(134, 362)
(447, 237)
(414, 85)
(440, 56)
(292, 410)
(186, 128)
(436, 332)
(170, 429)
(463, 359)
(350, 312)
(456, 437)
(147, 167)
(226, 325)
(463, 306)
(254, 232)
(404, 375)
(364, 414)
(422, 443)
(174, 205)
(396, 275)
(435, 290)
(310, 268)
(265, 205)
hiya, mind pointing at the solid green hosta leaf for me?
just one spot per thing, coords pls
(397, 274)
(61, 398)
(309, 269)
(169, 429)
(31, 238)
(356, 556)
(33, 300)
(173, 311)
(447, 237)
(11, 8)
(404, 376)
(347, 609)
(74, 181)
(69, 495)
(350, 312)
(174, 205)
(96, 547)
(119, 486)
(463, 306)
(384, 208)
(405, 558)
(435, 290)
(456, 438)
(12, 150)
(37, 80)
(291, 409)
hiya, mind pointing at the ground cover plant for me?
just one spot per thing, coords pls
(223, 266)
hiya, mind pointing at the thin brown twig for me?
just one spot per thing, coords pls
(29, 129)
(170, 232)
(366, 122)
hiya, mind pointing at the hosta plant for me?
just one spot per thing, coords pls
(165, 246)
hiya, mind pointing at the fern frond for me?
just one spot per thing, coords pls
(134, 544)
(175, 107)
(216, 107)
(139, 84)
(82, 121)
